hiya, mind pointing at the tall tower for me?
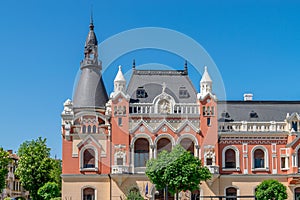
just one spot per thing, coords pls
(90, 91)
(86, 131)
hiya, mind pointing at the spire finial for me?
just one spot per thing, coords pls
(133, 64)
(185, 66)
(92, 19)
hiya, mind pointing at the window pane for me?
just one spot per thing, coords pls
(259, 161)
(141, 152)
(89, 194)
(230, 161)
(89, 159)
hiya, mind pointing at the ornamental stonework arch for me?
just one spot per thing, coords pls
(266, 156)
(165, 135)
(188, 136)
(96, 154)
(237, 156)
(193, 139)
(138, 136)
(161, 136)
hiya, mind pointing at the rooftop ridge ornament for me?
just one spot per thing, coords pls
(133, 64)
(185, 67)
(163, 87)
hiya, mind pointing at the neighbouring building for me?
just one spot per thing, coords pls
(107, 140)
(13, 188)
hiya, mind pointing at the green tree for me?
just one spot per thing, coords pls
(49, 190)
(56, 172)
(133, 193)
(271, 190)
(4, 161)
(34, 166)
(178, 170)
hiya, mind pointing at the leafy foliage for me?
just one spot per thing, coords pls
(56, 198)
(34, 166)
(134, 194)
(49, 190)
(4, 161)
(271, 190)
(179, 170)
(56, 172)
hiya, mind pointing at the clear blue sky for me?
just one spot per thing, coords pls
(255, 45)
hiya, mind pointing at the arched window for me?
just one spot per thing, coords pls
(259, 158)
(297, 193)
(141, 152)
(89, 129)
(164, 144)
(230, 161)
(231, 193)
(188, 145)
(89, 158)
(83, 129)
(89, 194)
(94, 129)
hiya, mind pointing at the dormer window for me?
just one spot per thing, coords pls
(253, 115)
(183, 93)
(295, 126)
(141, 93)
(225, 117)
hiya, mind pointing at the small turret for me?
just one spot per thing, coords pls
(205, 84)
(119, 82)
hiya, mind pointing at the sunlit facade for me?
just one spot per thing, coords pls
(107, 140)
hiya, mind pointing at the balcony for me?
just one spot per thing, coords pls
(139, 170)
(213, 169)
(120, 169)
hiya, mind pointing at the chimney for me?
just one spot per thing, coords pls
(248, 97)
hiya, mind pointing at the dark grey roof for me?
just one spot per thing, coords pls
(152, 81)
(90, 90)
(256, 110)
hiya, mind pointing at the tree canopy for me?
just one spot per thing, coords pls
(4, 161)
(34, 166)
(49, 190)
(179, 170)
(271, 190)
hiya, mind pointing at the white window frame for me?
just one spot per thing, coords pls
(266, 159)
(237, 158)
(81, 167)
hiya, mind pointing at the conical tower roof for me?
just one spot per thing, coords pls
(205, 77)
(90, 91)
(120, 76)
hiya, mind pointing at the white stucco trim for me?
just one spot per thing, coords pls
(237, 157)
(266, 157)
(89, 146)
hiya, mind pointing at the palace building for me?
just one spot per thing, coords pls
(107, 139)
